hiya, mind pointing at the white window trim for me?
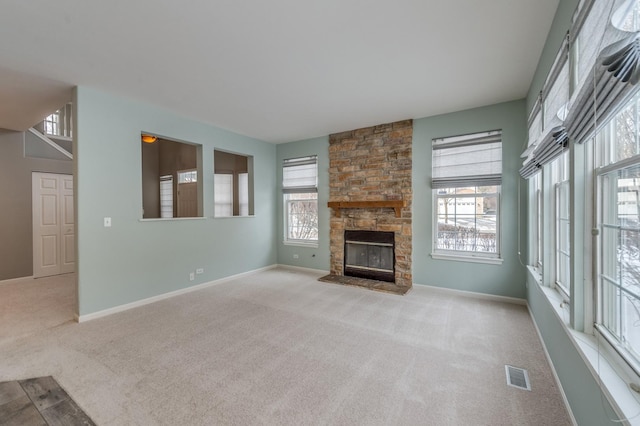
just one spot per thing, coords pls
(301, 243)
(617, 351)
(561, 286)
(294, 241)
(457, 256)
(286, 191)
(171, 219)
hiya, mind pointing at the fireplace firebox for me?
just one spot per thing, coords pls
(369, 254)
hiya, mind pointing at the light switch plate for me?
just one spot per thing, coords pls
(107, 222)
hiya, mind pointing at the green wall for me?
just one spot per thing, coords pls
(587, 403)
(136, 259)
(503, 280)
(308, 257)
(508, 278)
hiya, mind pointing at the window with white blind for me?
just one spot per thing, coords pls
(300, 195)
(223, 194)
(588, 189)
(243, 193)
(466, 182)
(166, 196)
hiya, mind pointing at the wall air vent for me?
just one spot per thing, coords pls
(517, 377)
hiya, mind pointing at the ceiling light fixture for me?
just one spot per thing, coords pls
(149, 138)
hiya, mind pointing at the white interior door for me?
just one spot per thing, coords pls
(68, 238)
(53, 224)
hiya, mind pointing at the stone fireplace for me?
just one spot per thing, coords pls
(370, 191)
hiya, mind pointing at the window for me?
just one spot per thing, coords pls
(300, 193)
(619, 233)
(166, 196)
(58, 124)
(243, 193)
(619, 277)
(466, 184)
(593, 213)
(223, 190)
(562, 247)
(233, 184)
(188, 176)
(52, 124)
(536, 191)
(628, 17)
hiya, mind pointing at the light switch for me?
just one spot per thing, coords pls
(107, 222)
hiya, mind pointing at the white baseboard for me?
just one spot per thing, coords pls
(153, 299)
(16, 280)
(303, 269)
(553, 369)
(483, 296)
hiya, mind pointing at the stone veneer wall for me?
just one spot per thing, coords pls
(372, 164)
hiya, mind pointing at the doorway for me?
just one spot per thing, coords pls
(53, 224)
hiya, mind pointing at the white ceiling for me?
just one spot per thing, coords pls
(278, 70)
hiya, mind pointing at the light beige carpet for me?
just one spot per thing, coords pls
(279, 347)
(30, 305)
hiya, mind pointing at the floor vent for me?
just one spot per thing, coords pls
(517, 377)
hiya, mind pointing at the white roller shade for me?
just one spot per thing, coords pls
(535, 128)
(223, 194)
(300, 175)
(548, 149)
(557, 97)
(469, 160)
(608, 69)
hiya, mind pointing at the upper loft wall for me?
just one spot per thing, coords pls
(36, 147)
(557, 33)
(136, 259)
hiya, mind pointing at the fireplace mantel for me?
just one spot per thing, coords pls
(397, 205)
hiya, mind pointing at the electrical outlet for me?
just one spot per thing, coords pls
(200, 271)
(192, 276)
(295, 256)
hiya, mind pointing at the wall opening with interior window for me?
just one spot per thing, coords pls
(233, 184)
(171, 187)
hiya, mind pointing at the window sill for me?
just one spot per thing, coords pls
(170, 219)
(604, 368)
(300, 244)
(233, 217)
(471, 259)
